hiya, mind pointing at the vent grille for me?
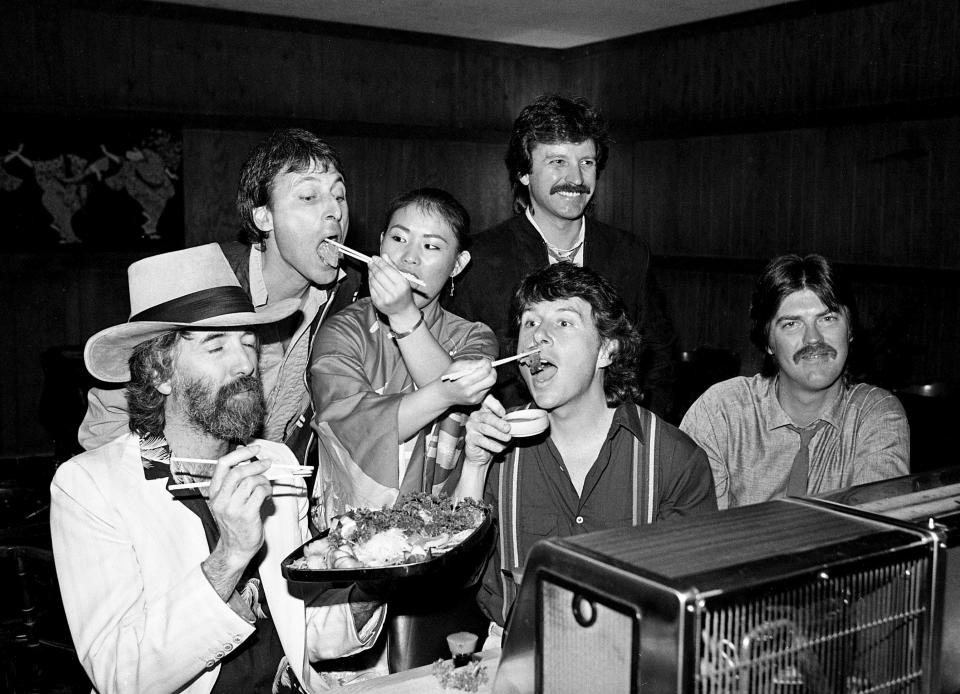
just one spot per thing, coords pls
(857, 633)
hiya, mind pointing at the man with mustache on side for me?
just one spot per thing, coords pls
(800, 427)
(557, 150)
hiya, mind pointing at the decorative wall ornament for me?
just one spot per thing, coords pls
(91, 187)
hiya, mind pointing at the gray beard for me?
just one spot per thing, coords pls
(233, 412)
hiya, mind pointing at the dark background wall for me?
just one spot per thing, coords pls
(802, 128)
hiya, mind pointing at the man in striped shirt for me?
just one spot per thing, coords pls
(603, 462)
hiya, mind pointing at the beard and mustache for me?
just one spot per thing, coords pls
(233, 412)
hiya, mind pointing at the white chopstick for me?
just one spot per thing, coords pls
(294, 472)
(458, 374)
(208, 461)
(357, 255)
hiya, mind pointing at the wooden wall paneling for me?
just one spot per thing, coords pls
(878, 194)
(711, 309)
(54, 299)
(212, 160)
(127, 58)
(472, 172)
(804, 59)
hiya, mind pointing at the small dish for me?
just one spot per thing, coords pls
(527, 422)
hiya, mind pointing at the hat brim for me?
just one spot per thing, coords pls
(107, 353)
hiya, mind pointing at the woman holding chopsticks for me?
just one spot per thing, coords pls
(387, 422)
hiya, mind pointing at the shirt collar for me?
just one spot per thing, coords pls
(775, 416)
(580, 236)
(258, 286)
(626, 417)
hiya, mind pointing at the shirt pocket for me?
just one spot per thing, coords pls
(540, 525)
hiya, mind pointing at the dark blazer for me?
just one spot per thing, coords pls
(506, 253)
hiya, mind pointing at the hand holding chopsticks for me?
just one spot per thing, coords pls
(459, 374)
(357, 255)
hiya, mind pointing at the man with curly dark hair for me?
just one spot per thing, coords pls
(604, 461)
(557, 151)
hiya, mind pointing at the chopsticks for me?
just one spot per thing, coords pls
(458, 374)
(276, 471)
(357, 255)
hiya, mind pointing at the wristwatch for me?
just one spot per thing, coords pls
(399, 336)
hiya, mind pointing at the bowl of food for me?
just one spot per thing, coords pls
(529, 422)
(421, 535)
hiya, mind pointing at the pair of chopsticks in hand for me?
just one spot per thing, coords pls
(275, 471)
(357, 255)
(459, 374)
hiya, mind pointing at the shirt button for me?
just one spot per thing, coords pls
(237, 639)
(210, 663)
(579, 520)
(228, 647)
(219, 654)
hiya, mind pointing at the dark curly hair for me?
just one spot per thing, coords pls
(151, 363)
(566, 281)
(785, 275)
(286, 150)
(550, 119)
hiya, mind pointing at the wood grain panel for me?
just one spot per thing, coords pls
(204, 64)
(50, 300)
(801, 60)
(882, 194)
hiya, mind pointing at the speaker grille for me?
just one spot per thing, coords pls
(849, 634)
(587, 645)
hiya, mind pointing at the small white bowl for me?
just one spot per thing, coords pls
(527, 422)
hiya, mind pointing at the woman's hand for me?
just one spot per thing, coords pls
(391, 294)
(469, 388)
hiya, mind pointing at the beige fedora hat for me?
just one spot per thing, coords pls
(193, 288)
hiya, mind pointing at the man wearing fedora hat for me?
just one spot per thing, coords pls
(168, 589)
(290, 199)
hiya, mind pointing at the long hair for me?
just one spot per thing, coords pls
(285, 150)
(548, 120)
(439, 202)
(782, 277)
(565, 280)
(151, 363)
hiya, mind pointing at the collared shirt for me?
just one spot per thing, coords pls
(284, 352)
(743, 428)
(552, 251)
(549, 505)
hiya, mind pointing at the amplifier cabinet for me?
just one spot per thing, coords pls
(783, 597)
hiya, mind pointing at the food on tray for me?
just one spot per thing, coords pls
(418, 527)
(468, 678)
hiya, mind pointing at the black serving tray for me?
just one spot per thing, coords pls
(461, 564)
